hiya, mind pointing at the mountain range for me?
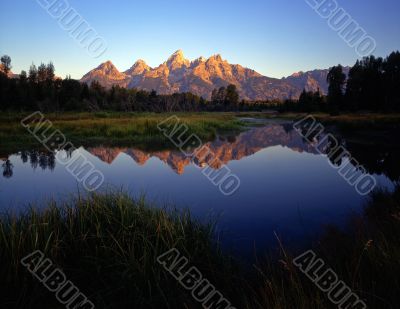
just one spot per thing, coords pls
(201, 76)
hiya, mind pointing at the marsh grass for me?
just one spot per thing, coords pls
(129, 129)
(107, 244)
(140, 129)
(365, 255)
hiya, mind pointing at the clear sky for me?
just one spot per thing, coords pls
(274, 37)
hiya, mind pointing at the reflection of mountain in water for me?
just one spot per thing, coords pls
(223, 150)
(377, 160)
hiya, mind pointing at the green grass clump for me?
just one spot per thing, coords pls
(107, 245)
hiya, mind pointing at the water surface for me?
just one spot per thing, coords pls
(286, 186)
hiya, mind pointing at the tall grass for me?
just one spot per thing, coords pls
(107, 245)
(366, 256)
(130, 129)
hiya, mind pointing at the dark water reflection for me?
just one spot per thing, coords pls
(285, 185)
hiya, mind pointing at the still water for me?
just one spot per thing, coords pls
(286, 187)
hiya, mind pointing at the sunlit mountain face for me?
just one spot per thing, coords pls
(201, 76)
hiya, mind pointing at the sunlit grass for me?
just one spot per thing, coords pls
(110, 128)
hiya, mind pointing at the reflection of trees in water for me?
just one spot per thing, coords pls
(42, 159)
(380, 160)
(47, 161)
(24, 156)
(7, 169)
(35, 158)
(332, 147)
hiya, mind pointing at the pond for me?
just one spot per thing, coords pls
(286, 187)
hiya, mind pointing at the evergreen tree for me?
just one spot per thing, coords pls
(6, 64)
(232, 97)
(336, 80)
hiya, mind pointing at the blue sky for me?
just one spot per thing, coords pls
(274, 37)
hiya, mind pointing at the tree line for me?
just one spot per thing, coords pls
(40, 89)
(371, 85)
